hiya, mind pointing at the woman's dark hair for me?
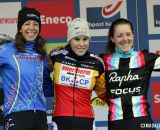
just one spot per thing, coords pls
(110, 45)
(39, 47)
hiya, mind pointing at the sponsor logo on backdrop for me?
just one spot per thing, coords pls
(8, 17)
(153, 9)
(55, 17)
(156, 11)
(55, 20)
(155, 99)
(111, 9)
(100, 15)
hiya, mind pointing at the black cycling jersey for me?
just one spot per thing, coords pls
(127, 78)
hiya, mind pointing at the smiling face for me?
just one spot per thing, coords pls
(123, 37)
(30, 30)
(79, 45)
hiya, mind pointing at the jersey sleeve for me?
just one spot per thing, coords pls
(100, 85)
(52, 56)
(152, 60)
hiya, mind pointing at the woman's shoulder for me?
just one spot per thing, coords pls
(97, 58)
(7, 47)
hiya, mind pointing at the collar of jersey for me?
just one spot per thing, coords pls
(122, 54)
(74, 55)
(30, 45)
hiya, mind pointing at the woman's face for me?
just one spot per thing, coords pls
(30, 30)
(80, 45)
(123, 37)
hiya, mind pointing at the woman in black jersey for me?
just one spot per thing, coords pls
(128, 74)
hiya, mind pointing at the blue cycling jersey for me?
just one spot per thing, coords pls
(23, 77)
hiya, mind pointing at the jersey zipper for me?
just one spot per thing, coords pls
(75, 77)
(34, 96)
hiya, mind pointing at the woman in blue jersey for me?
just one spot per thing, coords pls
(24, 69)
(127, 77)
(4, 39)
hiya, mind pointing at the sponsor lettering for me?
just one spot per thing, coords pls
(32, 15)
(70, 58)
(66, 79)
(76, 70)
(126, 90)
(115, 78)
(155, 91)
(99, 24)
(70, 80)
(55, 20)
(100, 103)
(11, 97)
(157, 98)
(83, 82)
(8, 20)
(157, 22)
(75, 82)
(28, 57)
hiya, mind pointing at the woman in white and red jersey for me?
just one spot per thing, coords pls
(77, 73)
(127, 77)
